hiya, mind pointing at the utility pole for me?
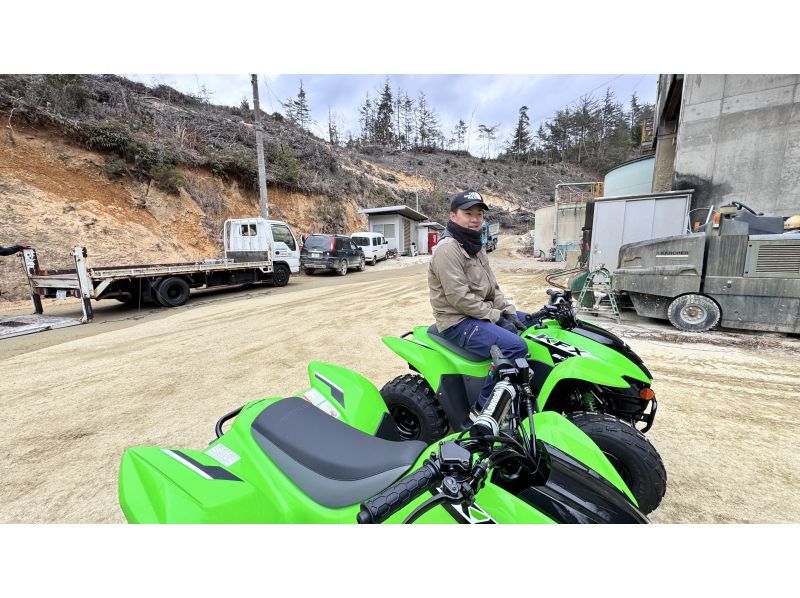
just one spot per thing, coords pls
(262, 169)
(416, 181)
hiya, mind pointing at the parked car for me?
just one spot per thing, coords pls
(374, 246)
(331, 252)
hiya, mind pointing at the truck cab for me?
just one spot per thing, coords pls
(490, 234)
(258, 239)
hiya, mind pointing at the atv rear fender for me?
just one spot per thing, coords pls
(430, 363)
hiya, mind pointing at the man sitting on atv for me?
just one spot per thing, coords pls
(467, 303)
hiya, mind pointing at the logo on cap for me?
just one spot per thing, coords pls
(473, 195)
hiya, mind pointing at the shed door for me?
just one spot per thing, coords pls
(406, 234)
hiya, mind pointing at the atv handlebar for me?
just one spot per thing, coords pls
(400, 494)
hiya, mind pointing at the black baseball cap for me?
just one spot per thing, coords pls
(466, 199)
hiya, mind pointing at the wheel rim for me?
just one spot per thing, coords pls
(407, 423)
(361, 265)
(693, 314)
(280, 275)
(343, 269)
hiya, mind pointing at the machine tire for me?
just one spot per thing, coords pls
(280, 276)
(308, 271)
(632, 455)
(172, 292)
(693, 313)
(413, 406)
(342, 269)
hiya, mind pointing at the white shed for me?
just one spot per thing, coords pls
(398, 224)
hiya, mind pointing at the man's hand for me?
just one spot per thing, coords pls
(514, 319)
(506, 324)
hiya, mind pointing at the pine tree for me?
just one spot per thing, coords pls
(488, 134)
(333, 129)
(367, 120)
(459, 134)
(520, 141)
(409, 122)
(297, 110)
(384, 129)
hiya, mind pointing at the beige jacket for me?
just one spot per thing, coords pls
(463, 286)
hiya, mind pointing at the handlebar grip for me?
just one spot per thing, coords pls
(551, 292)
(538, 315)
(385, 504)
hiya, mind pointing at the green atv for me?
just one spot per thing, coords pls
(578, 369)
(332, 455)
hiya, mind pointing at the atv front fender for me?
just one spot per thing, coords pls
(584, 369)
(555, 429)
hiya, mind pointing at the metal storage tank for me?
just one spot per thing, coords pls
(632, 178)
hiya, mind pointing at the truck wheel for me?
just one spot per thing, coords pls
(172, 292)
(280, 276)
(342, 269)
(693, 313)
(374, 259)
(632, 455)
(361, 263)
(414, 408)
(308, 271)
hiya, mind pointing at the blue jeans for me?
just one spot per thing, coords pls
(478, 336)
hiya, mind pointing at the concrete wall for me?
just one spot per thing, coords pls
(570, 222)
(739, 139)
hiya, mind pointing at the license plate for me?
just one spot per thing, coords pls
(315, 254)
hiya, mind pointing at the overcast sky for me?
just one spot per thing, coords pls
(495, 99)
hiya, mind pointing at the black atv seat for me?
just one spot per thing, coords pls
(433, 332)
(334, 464)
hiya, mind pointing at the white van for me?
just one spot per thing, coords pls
(374, 246)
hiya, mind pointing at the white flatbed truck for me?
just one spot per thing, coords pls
(256, 250)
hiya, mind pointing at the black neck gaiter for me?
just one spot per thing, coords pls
(469, 239)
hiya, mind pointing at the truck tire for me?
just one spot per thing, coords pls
(280, 275)
(632, 455)
(342, 269)
(361, 264)
(693, 313)
(413, 406)
(308, 271)
(172, 292)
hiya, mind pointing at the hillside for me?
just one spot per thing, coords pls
(140, 174)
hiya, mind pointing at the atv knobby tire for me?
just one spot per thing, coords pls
(631, 454)
(413, 406)
(693, 313)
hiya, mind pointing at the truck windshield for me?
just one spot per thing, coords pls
(361, 241)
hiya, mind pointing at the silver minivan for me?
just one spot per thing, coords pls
(374, 246)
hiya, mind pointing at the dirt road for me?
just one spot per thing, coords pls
(74, 399)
